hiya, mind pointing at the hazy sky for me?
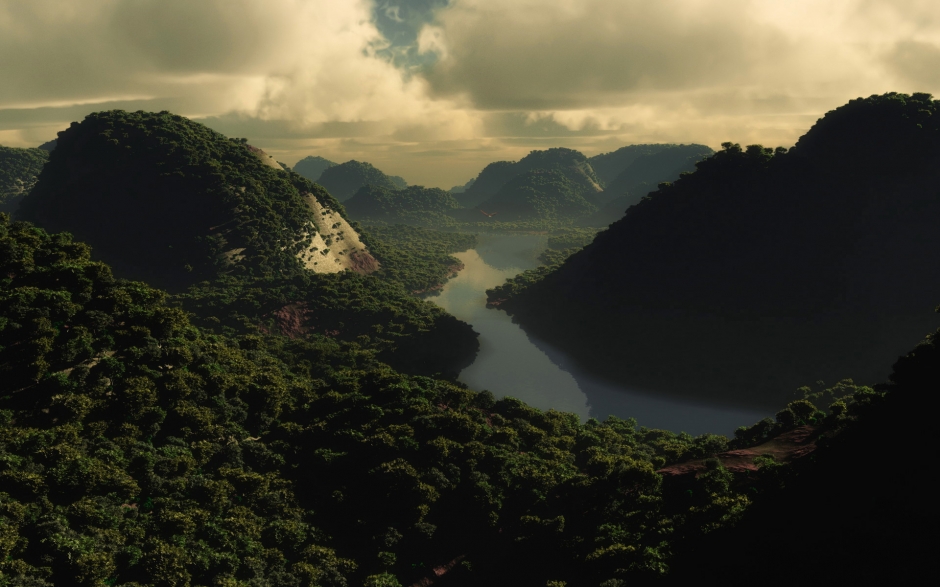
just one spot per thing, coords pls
(433, 90)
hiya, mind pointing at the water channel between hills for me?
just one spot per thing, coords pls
(513, 363)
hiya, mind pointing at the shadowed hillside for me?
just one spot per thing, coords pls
(764, 268)
(19, 170)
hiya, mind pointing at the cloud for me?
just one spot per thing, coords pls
(399, 82)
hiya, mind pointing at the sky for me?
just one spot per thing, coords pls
(433, 90)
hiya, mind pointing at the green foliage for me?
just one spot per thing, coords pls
(417, 258)
(19, 169)
(555, 192)
(136, 448)
(411, 205)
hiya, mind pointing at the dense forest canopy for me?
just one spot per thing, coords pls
(401, 205)
(139, 449)
(808, 264)
(19, 170)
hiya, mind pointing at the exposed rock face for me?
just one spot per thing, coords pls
(336, 246)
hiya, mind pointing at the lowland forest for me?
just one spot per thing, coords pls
(217, 370)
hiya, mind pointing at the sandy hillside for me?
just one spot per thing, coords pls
(336, 245)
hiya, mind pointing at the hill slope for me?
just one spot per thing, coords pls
(166, 199)
(19, 170)
(764, 269)
(413, 202)
(312, 167)
(345, 179)
(496, 175)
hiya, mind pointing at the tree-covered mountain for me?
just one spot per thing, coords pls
(171, 201)
(554, 193)
(312, 167)
(19, 170)
(642, 175)
(647, 171)
(764, 268)
(608, 166)
(411, 204)
(496, 175)
(345, 179)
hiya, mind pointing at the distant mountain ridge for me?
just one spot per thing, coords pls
(312, 167)
(345, 179)
(496, 175)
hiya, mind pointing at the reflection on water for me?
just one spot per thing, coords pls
(510, 363)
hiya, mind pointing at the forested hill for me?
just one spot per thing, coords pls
(168, 200)
(765, 267)
(19, 169)
(345, 179)
(312, 167)
(382, 203)
(608, 166)
(495, 175)
(642, 175)
(553, 193)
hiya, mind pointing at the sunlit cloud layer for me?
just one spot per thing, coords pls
(433, 90)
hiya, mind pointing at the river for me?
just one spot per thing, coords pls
(513, 363)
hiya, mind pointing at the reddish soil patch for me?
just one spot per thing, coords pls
(290, 320)
(788, 446)
(437, 572)
(362, 262)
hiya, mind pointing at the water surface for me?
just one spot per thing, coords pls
(512, 363)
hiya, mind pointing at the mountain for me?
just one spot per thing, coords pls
(646, 172)
(496, 175)
(345, 179)
(413, 202)
(553, 193)
(642, 175)
(608, 166)
(168, 200)
(19, 169)
(312, 167)
(763, 269)
(459, 189)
